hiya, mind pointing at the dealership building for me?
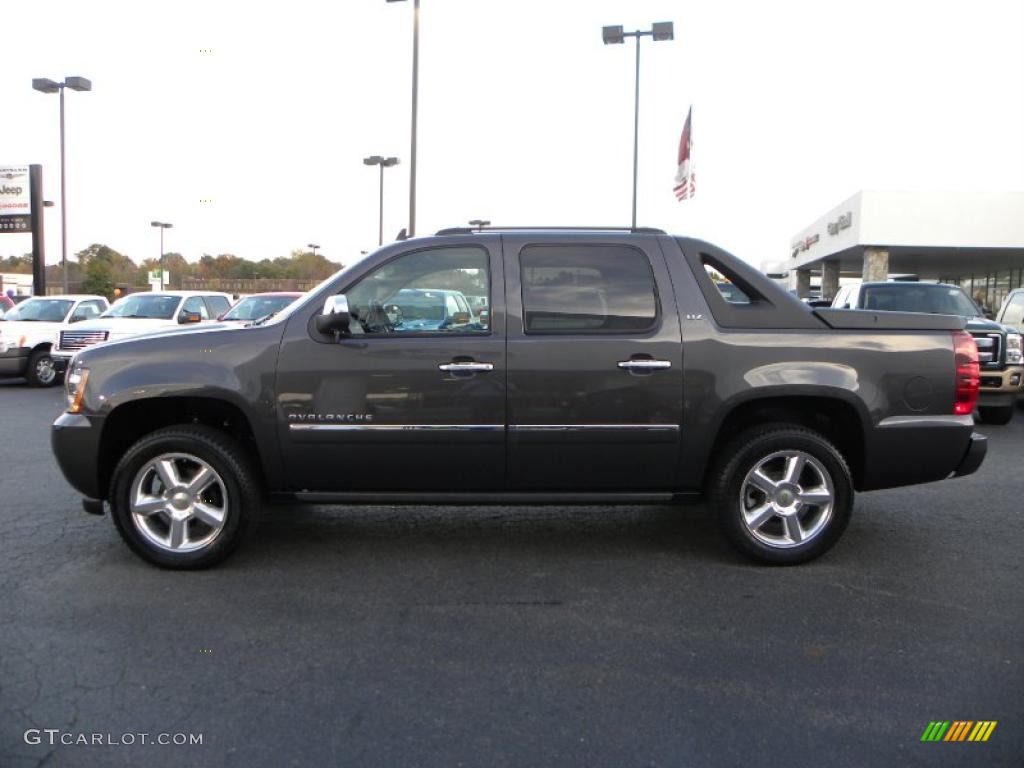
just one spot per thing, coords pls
(971, 239)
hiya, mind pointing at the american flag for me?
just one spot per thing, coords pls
(686, 177)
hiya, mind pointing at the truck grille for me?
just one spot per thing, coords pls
(72, 340)
(988, 348)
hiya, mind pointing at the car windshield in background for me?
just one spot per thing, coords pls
(42, 310)
(255, 307)
(920, 297)
(145, 305)
(419, 304)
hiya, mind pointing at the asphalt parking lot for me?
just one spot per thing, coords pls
(512, 636)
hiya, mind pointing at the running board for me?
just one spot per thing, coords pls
(484, 498)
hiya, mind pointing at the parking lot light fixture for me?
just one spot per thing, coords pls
(383, 162)
(313, 247)
(479, 223)
(662, 30)
(162, 225)
(45, 85)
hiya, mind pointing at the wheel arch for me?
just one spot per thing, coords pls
(131, 420)
(837, 419)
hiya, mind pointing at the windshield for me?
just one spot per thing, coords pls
(419, 304)
(920, 297)
(147, 305)
(255, 307)
(42, 310)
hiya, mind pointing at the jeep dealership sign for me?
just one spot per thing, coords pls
(15, 199)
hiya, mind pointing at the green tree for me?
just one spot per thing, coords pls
(119, 267)
(99, 278)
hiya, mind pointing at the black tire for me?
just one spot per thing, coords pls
(240, 496)
(996, 414)
(41, 371)
(730, 497)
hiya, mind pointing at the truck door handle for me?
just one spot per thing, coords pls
(644, 365)
(465, 367)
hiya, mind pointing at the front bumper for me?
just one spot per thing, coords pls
(1007, 381)
(976, 450)
(75, 440)
(14, 362)
(61, 359)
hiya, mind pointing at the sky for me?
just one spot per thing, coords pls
(244, 123)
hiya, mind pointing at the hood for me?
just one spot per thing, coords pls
(121, 327)
(982, 325)
(30, 328)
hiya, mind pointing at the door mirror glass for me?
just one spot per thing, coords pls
(189, 317)
(334, 317)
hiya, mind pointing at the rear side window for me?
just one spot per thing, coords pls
(587, 289)
(729, 290)
(194, 305)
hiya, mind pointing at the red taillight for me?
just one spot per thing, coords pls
(965, 352)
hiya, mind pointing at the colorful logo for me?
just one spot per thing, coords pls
(958, 730)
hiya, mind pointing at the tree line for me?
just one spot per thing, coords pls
(99, 268)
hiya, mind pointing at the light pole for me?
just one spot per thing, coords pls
(163, 225)
(314, 246)
(661, 30)
(479, 223)
(45, 85)
(383, 162)
(415, 99)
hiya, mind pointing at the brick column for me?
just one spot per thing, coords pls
(829, 279)
(876, 265)
(803, 283)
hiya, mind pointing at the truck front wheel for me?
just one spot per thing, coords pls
(41, 371)
(782, 494)
(184, 497)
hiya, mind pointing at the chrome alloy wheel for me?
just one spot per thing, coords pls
(45, 371)
(786, 499)
(178, 502)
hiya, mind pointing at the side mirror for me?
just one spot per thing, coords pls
(460, 318)
(190, 317)
(334, 317)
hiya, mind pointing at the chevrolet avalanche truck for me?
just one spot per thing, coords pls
(999, 346)
(611, 368)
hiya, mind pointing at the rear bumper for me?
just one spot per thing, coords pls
(14, 362)
(906, 450)
(976, 450)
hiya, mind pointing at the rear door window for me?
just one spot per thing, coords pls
(587, 289)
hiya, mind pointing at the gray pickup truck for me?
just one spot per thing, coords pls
(612, 366)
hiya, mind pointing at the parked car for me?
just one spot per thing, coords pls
(28, 330)
(1011, 315)
(6, 304)
(139, 313)
(999, 346)
(612, 371)
(258, 306)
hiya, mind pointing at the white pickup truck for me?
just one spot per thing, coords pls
(139, 313)
(27, 333)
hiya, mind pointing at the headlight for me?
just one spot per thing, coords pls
(1013, 349)
(74, 387)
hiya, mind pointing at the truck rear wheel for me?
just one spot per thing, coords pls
(782, 494)
(184, 497)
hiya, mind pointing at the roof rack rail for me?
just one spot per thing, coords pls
(470, 230)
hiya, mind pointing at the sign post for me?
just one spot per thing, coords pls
(21, 212)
